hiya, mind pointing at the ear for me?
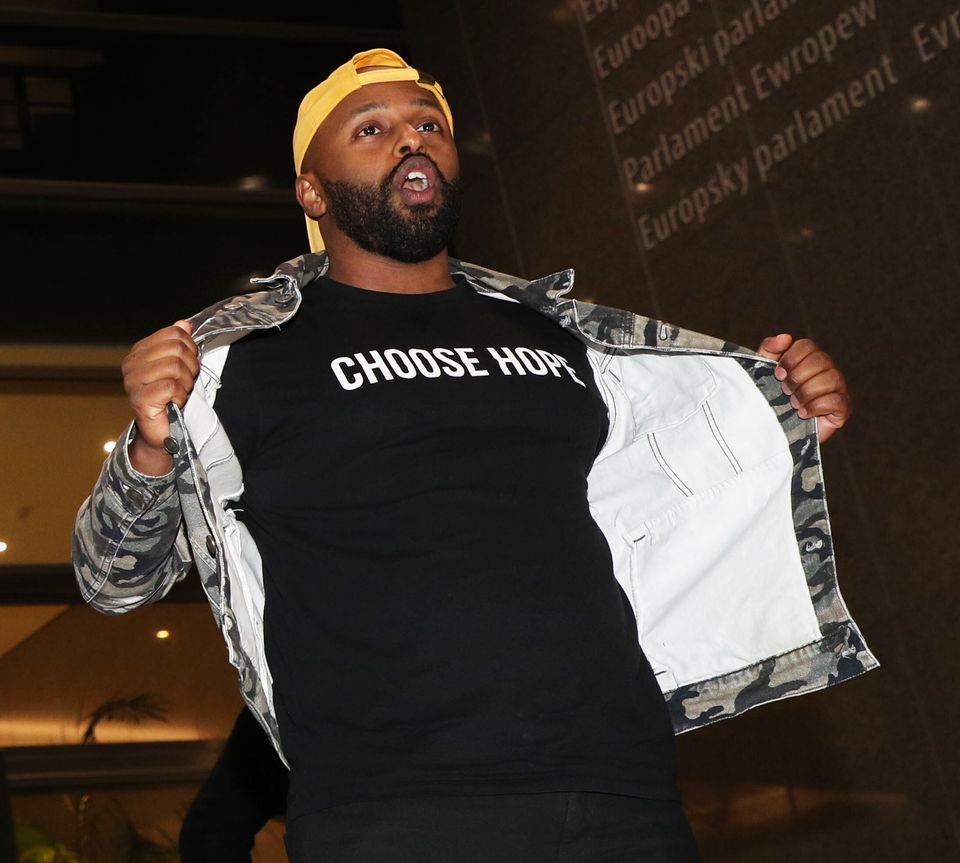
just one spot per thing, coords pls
(310, 195)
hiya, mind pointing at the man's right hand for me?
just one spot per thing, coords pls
(158, 370)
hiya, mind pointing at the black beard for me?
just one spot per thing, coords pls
(367, 215)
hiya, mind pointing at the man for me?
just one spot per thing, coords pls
(431, 522)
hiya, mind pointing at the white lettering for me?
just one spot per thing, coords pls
(532, 361)
(506, 360)
(447, 358)
(425, 363)
(347, 383)
(471, 362)
(400, 363)
(371, 366)
(573, 374)
(552, 361)
(396, 364)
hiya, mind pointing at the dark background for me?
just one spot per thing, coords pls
(145, 170)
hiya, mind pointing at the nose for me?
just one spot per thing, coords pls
(408, 140)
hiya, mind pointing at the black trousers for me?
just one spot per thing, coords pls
(557, 827)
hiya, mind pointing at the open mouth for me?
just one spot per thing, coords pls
(417, 179)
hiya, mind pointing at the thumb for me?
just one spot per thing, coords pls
(772, 347)
(186, 326)
(826, 427)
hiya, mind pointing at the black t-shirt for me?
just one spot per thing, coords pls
(441, 614)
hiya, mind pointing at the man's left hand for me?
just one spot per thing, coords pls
(810, 377)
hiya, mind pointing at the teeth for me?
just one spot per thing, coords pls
(418, 180)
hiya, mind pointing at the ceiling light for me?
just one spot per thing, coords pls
(642, 188)
(163, 633)
(253, 183)
(919, 104)
(3, 546)
(109, 445)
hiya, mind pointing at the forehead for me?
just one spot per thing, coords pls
(382, 96)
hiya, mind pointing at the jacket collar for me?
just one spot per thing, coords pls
(304, 269)
(601, 326)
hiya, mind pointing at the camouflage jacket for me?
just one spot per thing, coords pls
(708, 489)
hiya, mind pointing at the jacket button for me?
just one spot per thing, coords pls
(171, 446)
(211, 546)
(232, 307)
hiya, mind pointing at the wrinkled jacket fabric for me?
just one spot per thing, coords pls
(708, 489)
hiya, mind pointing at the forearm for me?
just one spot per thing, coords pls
(129, 545)
(148, 460)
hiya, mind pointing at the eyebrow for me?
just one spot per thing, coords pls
(367, 106)
(422, 102)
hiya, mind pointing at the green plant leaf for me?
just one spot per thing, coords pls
(27, 836)
(39, 854)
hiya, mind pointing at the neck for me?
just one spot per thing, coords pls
(364, 269)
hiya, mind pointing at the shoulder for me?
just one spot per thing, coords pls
(235, 317)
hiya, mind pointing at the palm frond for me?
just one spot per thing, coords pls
(130, 710)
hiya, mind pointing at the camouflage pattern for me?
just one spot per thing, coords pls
(841, 653)
(129, 544)
(135, 536)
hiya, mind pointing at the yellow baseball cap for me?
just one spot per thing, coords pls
(352, 75)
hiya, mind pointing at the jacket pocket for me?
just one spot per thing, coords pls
(718, 579)
(695, 454)
(662, 391)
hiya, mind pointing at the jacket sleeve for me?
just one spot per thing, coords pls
(129, 540)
